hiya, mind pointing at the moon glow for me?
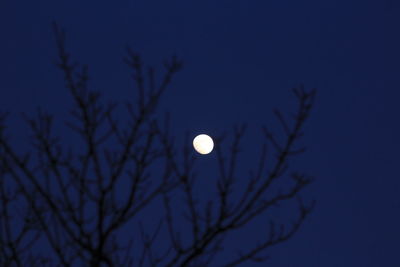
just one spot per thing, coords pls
(203, 144)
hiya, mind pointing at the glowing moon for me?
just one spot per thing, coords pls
(203, 144)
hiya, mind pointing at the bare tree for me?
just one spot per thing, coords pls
(65, 206)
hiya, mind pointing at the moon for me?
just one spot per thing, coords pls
(203, 144)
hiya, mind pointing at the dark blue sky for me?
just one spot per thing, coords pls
(241, 58)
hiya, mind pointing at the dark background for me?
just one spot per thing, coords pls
(241, 58)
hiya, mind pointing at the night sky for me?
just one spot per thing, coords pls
(241, 58)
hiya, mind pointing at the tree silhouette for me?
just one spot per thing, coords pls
(65, 206)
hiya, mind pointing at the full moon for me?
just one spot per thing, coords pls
(203, 144)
